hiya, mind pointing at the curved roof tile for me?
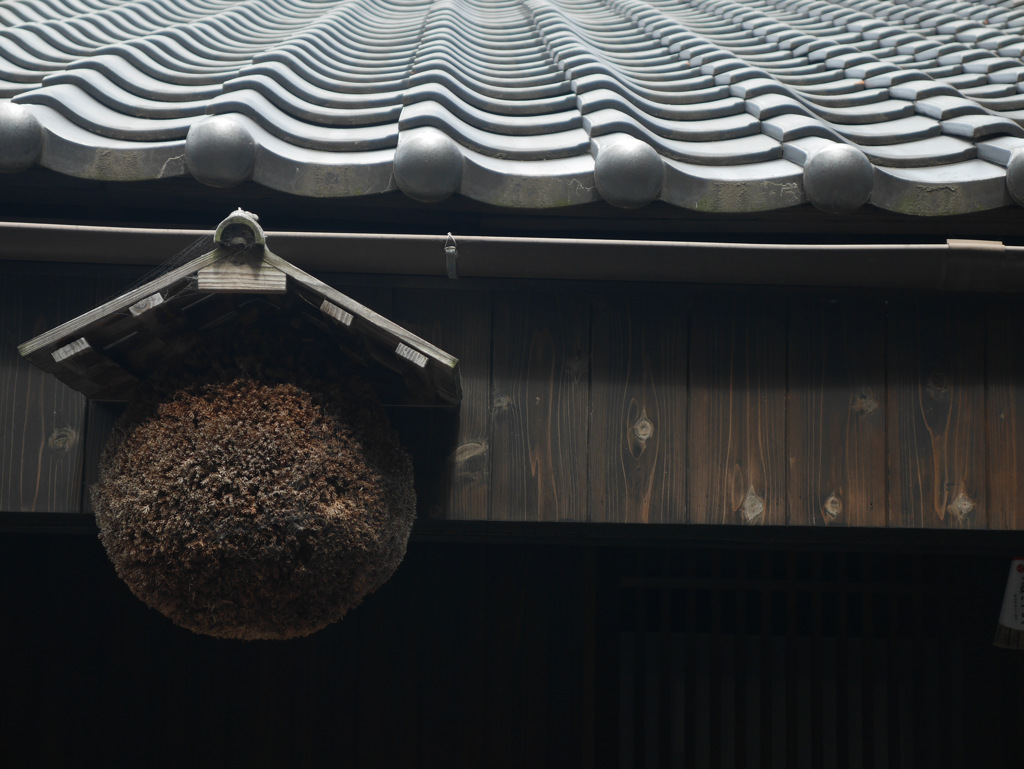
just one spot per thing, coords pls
(715, 105)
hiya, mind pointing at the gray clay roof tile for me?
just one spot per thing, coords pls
(705, 104)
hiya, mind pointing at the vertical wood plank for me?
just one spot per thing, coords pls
(41, 419)
(590, 645)
(1004, 401)
(869, 663)
(506, 613)
(936, 415)
(717, 679)
(666, 674)
(836, 415)
(639, 721)
(536, 655)
(568, 606)
(741, 709)
(690, 667)
(451, 630)
(607, 689)
(736, 455)
(817, 667)
(638, 424)
(894, 671)
(459, 322)
(766, 647)
(843, 655)
(794, 666)
(541, 397)
(388, 701)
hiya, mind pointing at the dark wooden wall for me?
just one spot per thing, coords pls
(466, 658)
(529, 655)
(636, 403)
(806, 659)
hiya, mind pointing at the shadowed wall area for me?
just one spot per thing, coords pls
(539, 655)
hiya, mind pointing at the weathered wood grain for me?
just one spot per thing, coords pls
(1004, 412)
(85, 323)
(638, 409)
(885, 422)
(460, 323)
(41, 419)
(380, 299)
(244, 273)
(540, 400)
(936, 413)
(836, 414)
(736, 454)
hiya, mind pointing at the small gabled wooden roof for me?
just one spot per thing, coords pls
(108, 350)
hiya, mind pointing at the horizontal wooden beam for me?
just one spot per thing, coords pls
(937, 541)
(954, 265)
(242, 274)
(997, 544)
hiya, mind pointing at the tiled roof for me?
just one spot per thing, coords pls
(713, 105)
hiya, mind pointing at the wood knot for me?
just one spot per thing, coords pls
(865, 402)
(576, 368)
(639, 431)
(752, 508)
(961, 507)
(62, 439)
(467, 451)
(832, 507)
(937, 384)
(643, 428)
(500, 401)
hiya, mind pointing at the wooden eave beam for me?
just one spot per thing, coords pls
(954, 265)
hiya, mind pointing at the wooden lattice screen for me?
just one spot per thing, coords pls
(776, 659)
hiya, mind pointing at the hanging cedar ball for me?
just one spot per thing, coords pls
(255, 504)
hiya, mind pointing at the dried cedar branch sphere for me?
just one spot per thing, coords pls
(254, 509)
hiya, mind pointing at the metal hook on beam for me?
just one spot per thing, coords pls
(451, 257)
